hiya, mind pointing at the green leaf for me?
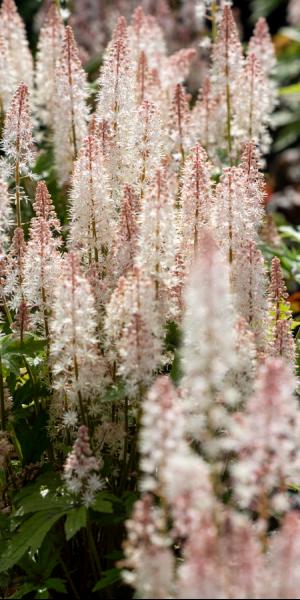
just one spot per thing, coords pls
(76, 519)
(29, 536)
(25, 589)
(101, 504)
(109, 578)
(54, 583)
(290, 89)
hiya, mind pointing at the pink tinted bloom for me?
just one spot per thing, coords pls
(8, 77)
(178, 124)
(71, 102)
(6, 215)
(133, 334)
(196, 201)
(13, 31)
(266, 440)
(48, 52)
(149, 560)
(117, 105)
(42, 260)
(282, 341)
(233, 214)
(125, 241)
(221, 560)
(149, 145)
(157, 241)
(283, 559)
(226, 73)
(14, 288)
(262, 47)
(249, 283)
(208, 341)
(17, 133)
(77, 365)
(92, 212)
(81, 470)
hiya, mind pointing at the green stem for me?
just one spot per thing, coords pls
(92, 546)
(18, 196)
(2, 401)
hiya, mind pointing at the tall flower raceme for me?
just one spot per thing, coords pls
(150, 145)
(252, 117)
(42, 265)
(226, 73)
(255, 184)
(13, 31)
(81, 470)
(117, 105)
(234, 212)
(6, 216)
(157, 243)
(284, 556)
(208, 344)
(281, 338)
(48, 52)
(222, 559)
(196, 199)
(71, 95)
(76, 363)
(125, 242)
(18, 142)
(265, 439)
(178, 125)
(249, 283)
(7, 76)
(262, 47)
(170, 469)
(92, 212)
(204, 124)
(133, 332)
(149, 560)
(14, 288)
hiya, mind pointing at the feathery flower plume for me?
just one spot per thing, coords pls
(6, 216)
(249, 285)
(149, 560)
(266, 440)
(149, 145)
(157, 237)
(71, 102)
(132, 330)
(48, 52)
(204, 124)
(42, 261)
(81, 470)
(253, 114)
(117, 105)
(18, 142)
(76, 363)
(125, 241)
(178, 125)
(234, 212)
(226, 72)
(13, 31)
(222, 561)
(284, 556)
(262, 47)
(255, 183)
(91, 210)
(171, 470)
(8, 76)
(241, 377)
(282, 341)
(208, 341)
(146, 36)
(14, 288)
(196, 201)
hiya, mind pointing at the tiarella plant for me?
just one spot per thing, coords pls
(149, 439)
